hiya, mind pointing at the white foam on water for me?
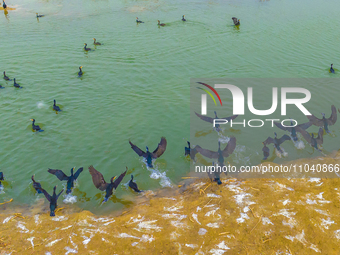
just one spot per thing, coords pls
(299, 144)
(281, 154)
(164, 180)
(41, 105)
(59, 218)
(70, 199)
(7, 219)
(2, 190)
(202, 231)
(223, 139)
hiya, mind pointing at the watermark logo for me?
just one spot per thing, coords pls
(204, 97)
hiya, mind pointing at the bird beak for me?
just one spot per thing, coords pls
(81, 67)
(114, 178)
(31, 119)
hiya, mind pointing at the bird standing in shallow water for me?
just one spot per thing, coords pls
(6, 78)
(85, 48)
(183, 19)
(63, 177)
(324, 122)
(56, 107)
(160, 24)
(133, 185)
(331, 70)
(80, 73)
(15, 84)
(36, 185)
(138, 21)
(36, 127)
(148, 155)
(95, 42)
(100, 183)
(39, 16)
(236, 21)
(52, 199)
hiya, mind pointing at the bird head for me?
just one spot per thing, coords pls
(188, 143)
(113, 178)
(136, 17)
(4, 72)
(94, 39)
(183, 16)
(159, 22)
(85, 44)
(275, 134)
(72, 169)
(80, 67)
(263, 143)
(14, 79)
(32, 120)
(131, 177)
(331, 65)
(215, 114)
(323, 115)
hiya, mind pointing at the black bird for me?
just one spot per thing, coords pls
(219, 154)
(1, 177)
(63, 177)
(324, 122)
(100, 183)
(16, 84)
(1, 87)
(4, 4)
(133, 185)
(183, 19)
(6, 78)
(277, 141)
(266, 151)
(95, 42)
(80, 73)
(292, 130)
(36, 185)
(56, 107)
(148, 155)
(314, 142)
(190, 151)
(36, 127)
(236, 21)
(160, 24)
(138, 21)
(85, 48)
(331, 70)
(39, 16)
(211, 120)
(52, 199)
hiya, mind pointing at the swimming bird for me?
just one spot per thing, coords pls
(95, 42)
(80, 73)
(138, 21)
(4, 4)
(63, 177)
(39, 16)
(85, 48)
(219, 155)
(190, 151)
(211, 120)
(100, 183)
(292, 129)
(314, 142)
(1, 177)
(52, 199)
(324, 122)
(160, 24)
(6, 78)
(133, 185)
(236, 21)
(148, 155)
(183, 19)
(56, 107)
(1, 87)
(277, 141)
(36, 127)
(331, 70)
(16, 84)
(266, 151)
(36, 185)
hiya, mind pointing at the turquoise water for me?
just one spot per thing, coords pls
(136, 85)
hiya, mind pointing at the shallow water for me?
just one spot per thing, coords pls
(136, 85)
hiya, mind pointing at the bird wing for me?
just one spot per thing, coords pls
(305, 134)
(119, 179)
(305, 125)
(48, 197)
(278, 124)
(160, 148)
(230, 118)
(315, 121)
(229, 149)
(98, 179)
(319, 139)
(269, 140)
(78, 173)
(331, 120)
(206, 153)
(137, 150)
(60, 193)
(234, 20)
(284, 138)
(60, 174)
(193, 152)
(205, 118)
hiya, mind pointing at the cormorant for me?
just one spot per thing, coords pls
(138, 21)
(183, 19)
(6, 78)
(133, 185)
(36, 127)
(211, 120)
(292, 130)
(100, 183)
(236, 21)
(56, 107)
(80, 73)
(266, 151)
(331, 70)
(1, 177)
(16, 84)
(1, 87)
(52, 199)
(39, 16)
(190, 151)
(314, 142)
(63, 177)
(36, 185)
(148, 155)
(324, 122)
(4, 4)
(276, 141)
(219, 155)
(85, 48)
(160, 24)
(95, 42)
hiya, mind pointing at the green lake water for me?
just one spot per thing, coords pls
(137, 85)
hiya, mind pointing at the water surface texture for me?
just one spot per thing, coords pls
(136, 85)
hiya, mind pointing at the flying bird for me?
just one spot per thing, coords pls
(63, 177)
(100, 183)
(236, 21)
(211, 120)
(190, 151)
(133, 185)
(324, 122)
(52, 199)
(36, 185)
(277, 142)
(292, 129)
(313, 141)
(151, 155)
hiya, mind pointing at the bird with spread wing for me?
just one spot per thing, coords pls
(313, 141)
(101, 184)
(151, 155)
(63, 177)
(211, 120)
(292, 129)
(276, 141)
(52, 199)
(324, 122)
(190, 151)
